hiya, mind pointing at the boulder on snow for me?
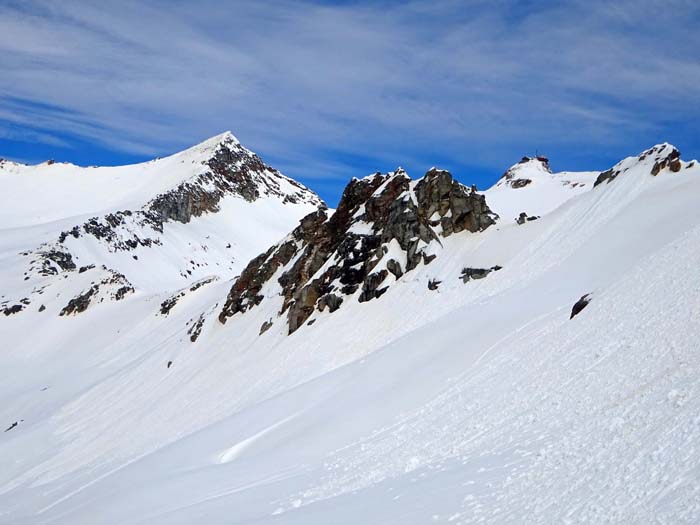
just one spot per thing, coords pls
(524, 217)
(580, 305)
(433, 284)
(265, 327)
(477, 273)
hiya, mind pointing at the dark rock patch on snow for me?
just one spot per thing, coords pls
(580, 305)
(476, 273)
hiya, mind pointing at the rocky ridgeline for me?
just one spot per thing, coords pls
(384, 227)
(660, 157)
(231, 170)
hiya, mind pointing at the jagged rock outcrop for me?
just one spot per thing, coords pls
(384, 227)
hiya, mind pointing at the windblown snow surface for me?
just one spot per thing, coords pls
(476, 402)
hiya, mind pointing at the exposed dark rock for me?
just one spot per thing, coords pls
(672, 161)
(433, 284)
(122, 291)
(14, 309)
(580, 305)
(327, 257)
(13, 425)
(510, 177)
(169, 303)
(202, 282)
(331, 301)
(170, 363)
(42, 308)
(524, 217)
(53, 259)
(477, 273)
(232, 170)
(664, 156)
(606, 176)
(196, 328)
(395, 268)
(370, 286)
(84, 269)
(519, 183)
(80, 303)
(265, 326)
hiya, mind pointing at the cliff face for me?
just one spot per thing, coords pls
(384, 227)
(232, 170)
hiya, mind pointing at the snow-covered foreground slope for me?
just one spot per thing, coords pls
(476, 401)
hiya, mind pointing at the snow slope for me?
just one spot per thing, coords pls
(476, 402)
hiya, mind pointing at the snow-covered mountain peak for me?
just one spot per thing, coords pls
(661, 157)
(227, 137)
(525, 171)
(530, 189)
(200, 213)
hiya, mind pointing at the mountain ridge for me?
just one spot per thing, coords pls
(462, 389)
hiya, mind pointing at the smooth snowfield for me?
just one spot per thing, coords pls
(477, 402)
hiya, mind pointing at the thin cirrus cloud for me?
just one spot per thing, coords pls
(329, 90)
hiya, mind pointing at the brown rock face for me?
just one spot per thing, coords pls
(326, 259)
(672, 161)
(664, 156)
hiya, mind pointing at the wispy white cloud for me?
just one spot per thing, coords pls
(318, 86)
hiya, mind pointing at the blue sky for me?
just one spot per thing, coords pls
(327, 91)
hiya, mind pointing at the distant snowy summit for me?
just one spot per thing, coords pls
(159, 225)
